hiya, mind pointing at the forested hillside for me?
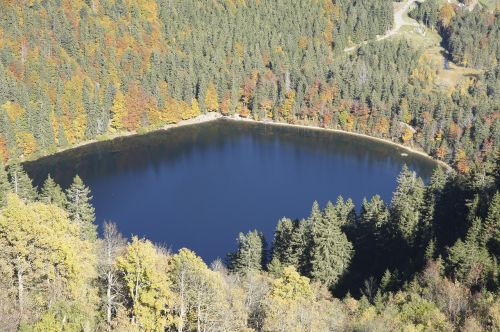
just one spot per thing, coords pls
(79, 70)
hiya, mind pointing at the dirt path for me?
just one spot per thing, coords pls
(400, 14)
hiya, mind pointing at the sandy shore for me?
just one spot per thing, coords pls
(212, 116)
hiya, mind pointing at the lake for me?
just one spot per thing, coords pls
(198, 186)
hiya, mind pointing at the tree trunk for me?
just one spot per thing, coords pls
(181, 306)
(109, 299)
(20, 289)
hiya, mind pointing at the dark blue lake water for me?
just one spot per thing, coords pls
(198, 186)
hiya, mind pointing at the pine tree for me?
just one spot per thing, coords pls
(251, 254)
(491, 231)
(5, 188)
(331, 250)
(80, 209)
(283, 251)
(52, 193)
(432, 195)
(345, 211)
(469, 261)
(375, 215)
(21, 183)
(407, 203)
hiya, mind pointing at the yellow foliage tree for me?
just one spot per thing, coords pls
(44, 261)
(292, 305)
(286, 109)
(191, 112)
(14, 110)
(211, 99)
(461, 161)
(144, 270)
(405, 110)
(446, 14)
(203, 301)
(407, 135)
(4, 151)
(26, 142)
(118, 112)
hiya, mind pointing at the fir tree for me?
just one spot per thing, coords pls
(4, 185)
(21, 184)
(331, 250)
(491, 230)
(52, 193)
(80, 209)
(407, 203)
(251, 254)
(283, 251)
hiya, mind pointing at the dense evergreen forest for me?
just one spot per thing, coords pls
(80, 70)
(73, 71)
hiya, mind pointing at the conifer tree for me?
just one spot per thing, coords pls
(52, 193)
(407, 204)
(21, 183)
(251, 254)
(331, 250)
(4, 185)
(491, 230)
(80, 209)
(469, 261)
(432, 197)
(283, 250)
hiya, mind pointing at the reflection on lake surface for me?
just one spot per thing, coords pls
(198, 186)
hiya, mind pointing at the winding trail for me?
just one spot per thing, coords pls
(399, 21)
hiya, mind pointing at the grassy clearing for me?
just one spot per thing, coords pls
(430, 42)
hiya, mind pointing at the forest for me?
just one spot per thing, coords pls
(425, 261)
(81, 70)
(76, 71)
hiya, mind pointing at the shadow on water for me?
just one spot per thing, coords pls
(198, 186)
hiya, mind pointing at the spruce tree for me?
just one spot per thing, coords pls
(52, 193)
(331, 250)
(4, 185)
(21, 184)
(407, 203)
(491, 230)
(374, 216)
(80, 209)
(432, 198)
(251, 254)
(283, 251)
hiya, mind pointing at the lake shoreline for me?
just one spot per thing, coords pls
(214, 116)
(340, 131)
